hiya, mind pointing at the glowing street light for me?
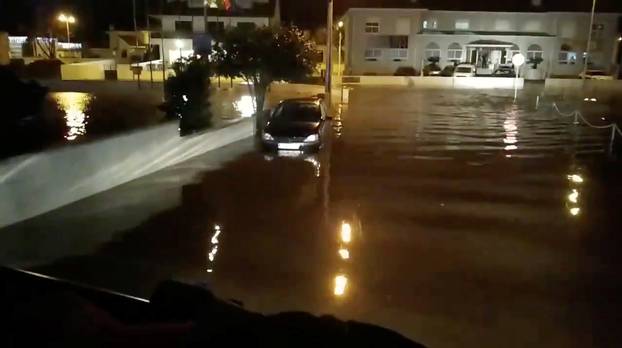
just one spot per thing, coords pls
(67, 19)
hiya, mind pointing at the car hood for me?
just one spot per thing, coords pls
(292, 129)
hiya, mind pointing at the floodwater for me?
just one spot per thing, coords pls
(459, 219)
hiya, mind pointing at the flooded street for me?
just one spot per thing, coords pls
(457, 218)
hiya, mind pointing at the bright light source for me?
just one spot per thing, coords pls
(346, 232)
(575, 211)
(62, 17)
(574, 196)
(179, 44)
(518, 60)
(344, 253)
(71, 19)
(575, 178)
(586, 99)
(340, 24)
(215, 237)
(620, 38)
(593, 99)
(245, 106)
(341, 282)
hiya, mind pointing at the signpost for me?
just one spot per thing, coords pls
(518, 60)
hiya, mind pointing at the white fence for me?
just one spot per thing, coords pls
(437, 82)
(34, 184)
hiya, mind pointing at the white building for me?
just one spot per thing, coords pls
(189, 18)
(378, 41)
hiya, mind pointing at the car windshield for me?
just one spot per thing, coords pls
(463, 69)
(298, 112)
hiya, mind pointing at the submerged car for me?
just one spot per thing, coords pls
(504, 71)
(297, 125)
(596, 75)
(464, 70)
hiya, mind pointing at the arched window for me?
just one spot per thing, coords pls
(432, 50)
(454, 53)
(534, 51)
(567, 55)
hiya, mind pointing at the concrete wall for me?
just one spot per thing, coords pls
(85, 71)
(437, 82)
(577, 87)
(33, 184)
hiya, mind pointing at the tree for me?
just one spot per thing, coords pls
(187, 94)
(264, 55)
(535, 61)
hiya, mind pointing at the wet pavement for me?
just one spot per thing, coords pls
(457, 218)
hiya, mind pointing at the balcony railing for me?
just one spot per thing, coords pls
(397, 54)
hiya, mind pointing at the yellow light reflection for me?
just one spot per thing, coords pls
(346, 232)
(577, 179)
(575, 211)
(344, 253)
(510, 126)
(74, 104)
(211, 256)
(341, 283)
(574, 196)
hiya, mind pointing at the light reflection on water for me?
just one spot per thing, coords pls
(74, 105)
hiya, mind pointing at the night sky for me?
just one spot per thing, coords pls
(37, 16)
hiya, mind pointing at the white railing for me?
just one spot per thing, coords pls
(398, 53)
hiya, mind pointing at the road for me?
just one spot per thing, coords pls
(474, 222)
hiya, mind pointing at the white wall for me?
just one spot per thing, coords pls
(93, 70)
(440, 82)
(33, 184)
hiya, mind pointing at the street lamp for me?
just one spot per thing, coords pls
(67, 19)
(518, 60)
(589, 42)
(339, 65)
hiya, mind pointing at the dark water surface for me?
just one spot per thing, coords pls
(456, 218)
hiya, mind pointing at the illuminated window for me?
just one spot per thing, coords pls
(454, 52)
(567, 55)
(432, 50)
(373, 54)
(462, 24)
(372, 27)
(534, 51)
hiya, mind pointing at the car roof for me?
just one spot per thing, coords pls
(304, 100)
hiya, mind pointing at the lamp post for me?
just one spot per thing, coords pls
(518, 60)
(180, 45)
(329, 61)
(339, 65)
(589, 41)
(67, 19)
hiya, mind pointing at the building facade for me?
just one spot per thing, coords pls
(192, 16)
(378, 41)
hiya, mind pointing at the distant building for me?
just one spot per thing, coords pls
(379, 41)
(186, 17)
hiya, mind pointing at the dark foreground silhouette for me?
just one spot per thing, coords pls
(41, 311)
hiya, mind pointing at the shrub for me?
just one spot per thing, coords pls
(187, 95)
(405, 71)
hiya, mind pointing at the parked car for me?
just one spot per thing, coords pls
(504, 71)
(448, 70)
(596, 75)
(464, 70)
(432, 70)
(297, 125)
(405, 71)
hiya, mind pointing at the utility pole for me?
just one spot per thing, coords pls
(589, 41)
(329, 55)
(205, 16)
(149, 50)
